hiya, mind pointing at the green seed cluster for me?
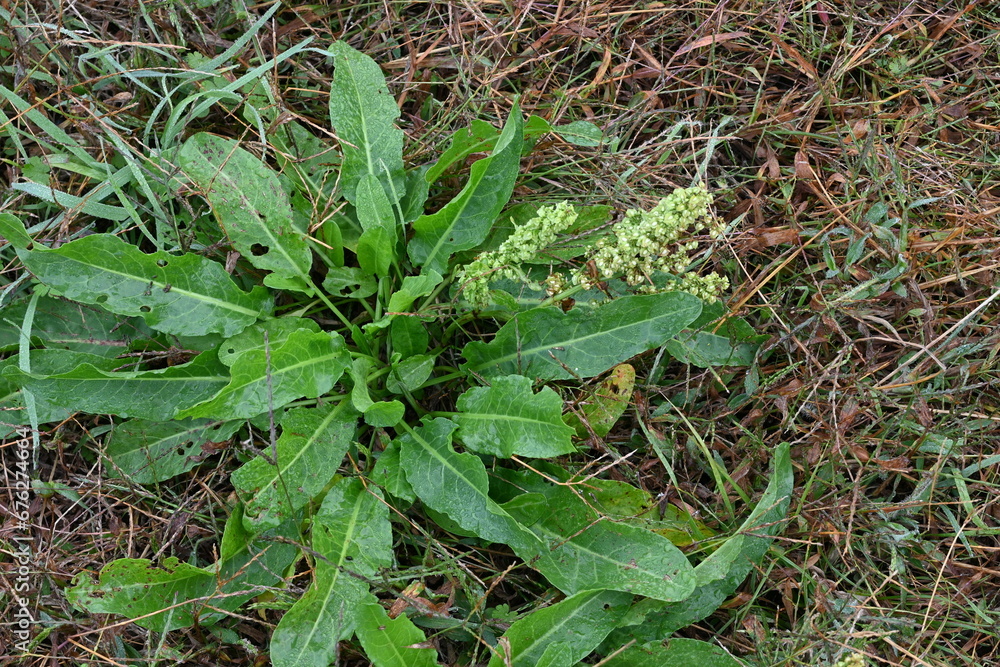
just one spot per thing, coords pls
(522, 245)
(648, 241)
(644, 242)
(853, 660)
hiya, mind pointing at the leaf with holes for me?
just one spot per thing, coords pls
(251, 207)
(185, 295)
(549, 344)
(602, 407)
(146, 452)
(306, 364)
(506, 419)
(311, 447)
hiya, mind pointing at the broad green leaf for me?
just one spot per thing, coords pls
(307, 365)
(363, 114)
(675, 653)
(391, 642)
(417, 190)
(408, 374)
(186, 295)
(12, 230)
(465, 221)
(351, 533)
(580, 133)
(479, 137)
(146, 452)
(564, 633)
(413, 288)
(311, 447)
(252, 338)
(43, 363)
(377, 246)
(360, 398)
(175, 594)
(457, 485)
(623, 503)
(248, 202)
(602, 406)
(581, 552)
(506, 419)
(388, 473)
(549, 344)
(384, 413)
(719, 575)
(408, 336)
(716, 340)
(154, 395)
(62, 324)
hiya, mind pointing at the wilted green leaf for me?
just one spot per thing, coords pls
(570, 629)
(390, 642)
(363, 114)
(550, 344)
(464, 222)
(507, 419)
(146, 452)
(186, 295)
(351, 533)
(456, 485)
(602, 406)
(249, 204)
(307, 365)
(154, 395)
(311, 447)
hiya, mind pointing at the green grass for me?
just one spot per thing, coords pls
(853, 152)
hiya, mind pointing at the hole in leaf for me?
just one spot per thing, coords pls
(161, 262)
(102, 298)
(231, 350)
(258, 249)
(145, 309)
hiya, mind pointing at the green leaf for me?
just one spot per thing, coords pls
(248, 202)
(719, 575)
(12, 229)
(388, 473)
(277, 330)
(570, 629)
(549, 344)
(457, 485)
(408, 336)
(62, 324)
(581, 552)
(360, 398)
(464, 222)
(377, 245)
(363, 113)
(384, 413)
(352, 536)
(311, 447)
(580, 133)
(410, 373)
(175, 594)
(146, 452)
(413, 288)
(306, 364)
(716, 340)
(186, 295)
(390, 642)
(507, 419)
(479, 137)
(154, 395)
(352, 282)
(676, 653)
(603, 406)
